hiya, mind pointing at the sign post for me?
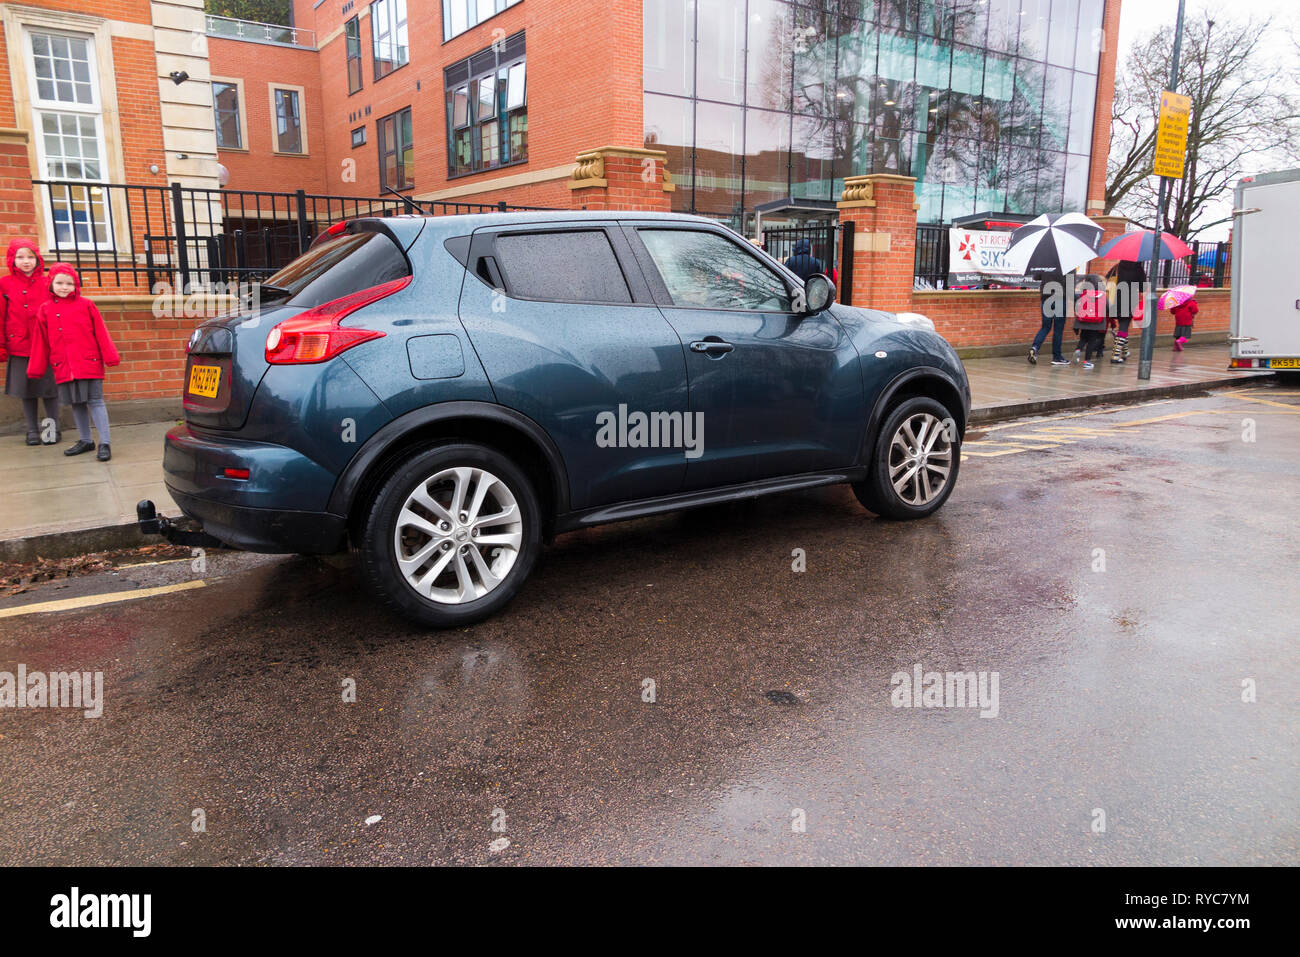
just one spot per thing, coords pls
(1170, 156)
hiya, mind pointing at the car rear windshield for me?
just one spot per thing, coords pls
(338, 267)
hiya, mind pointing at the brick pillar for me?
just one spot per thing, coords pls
(613, 177)
(17, 201)
(882, 208)
(1103, 106)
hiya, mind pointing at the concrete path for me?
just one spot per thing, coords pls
(54, 506)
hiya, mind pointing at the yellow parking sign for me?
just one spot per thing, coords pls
(1171, 134)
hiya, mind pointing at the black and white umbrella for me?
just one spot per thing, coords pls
(1060, 242)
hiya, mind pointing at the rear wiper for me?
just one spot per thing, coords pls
(279, 292)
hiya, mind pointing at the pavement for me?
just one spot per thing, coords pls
(55, 506)
(674, 690)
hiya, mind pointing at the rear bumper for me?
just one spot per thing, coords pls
(279, 508)
(265, 529)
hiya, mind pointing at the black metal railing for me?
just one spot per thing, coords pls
(931, 268)
(199, 239)
(780, 243)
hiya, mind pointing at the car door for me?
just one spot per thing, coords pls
(777, 392)
(572, 339)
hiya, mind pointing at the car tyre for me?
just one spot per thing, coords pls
(907, 478)
(494, 535)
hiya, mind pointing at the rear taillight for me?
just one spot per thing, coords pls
(316, 336)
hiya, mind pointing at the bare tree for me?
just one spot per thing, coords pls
(1244, 105)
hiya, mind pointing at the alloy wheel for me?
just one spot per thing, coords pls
(920, 459)
(458, 535)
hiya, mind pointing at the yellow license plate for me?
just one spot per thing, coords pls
(1284, 363)
(204, 380)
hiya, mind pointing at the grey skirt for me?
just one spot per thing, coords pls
(81, 391)
(18, 385)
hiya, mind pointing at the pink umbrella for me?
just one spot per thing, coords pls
(1175, 297)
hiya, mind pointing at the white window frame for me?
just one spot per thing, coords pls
(302, 117)
(244, 132)
(19, 23)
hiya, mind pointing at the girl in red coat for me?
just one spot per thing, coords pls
(72, 338)
(21, 294)
(1183, 316)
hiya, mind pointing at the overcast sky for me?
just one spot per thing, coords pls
(1140, 17)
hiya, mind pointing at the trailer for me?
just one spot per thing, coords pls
(1266, 272)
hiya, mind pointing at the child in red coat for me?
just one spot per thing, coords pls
(1183, 316)
(72, 338)
(22, 293)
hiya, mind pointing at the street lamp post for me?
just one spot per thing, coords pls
(1149, 333)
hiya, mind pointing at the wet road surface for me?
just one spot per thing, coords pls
(1129, 576)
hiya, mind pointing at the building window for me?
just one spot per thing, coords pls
(459, 15)
(352, 35)
(69, 135)
(396, 152)
(229, 115)
(388, 27)
(287, 129)
(487, 109)
(359, 137)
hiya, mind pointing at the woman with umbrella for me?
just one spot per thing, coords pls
(1132, 250)
(1051, 246)
(1126, 303)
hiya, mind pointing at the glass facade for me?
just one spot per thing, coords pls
(988, 103)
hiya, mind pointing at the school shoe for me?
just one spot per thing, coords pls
(81, 445)
(105, 453)
(58, 437)
(1033, 357)
(33, 438)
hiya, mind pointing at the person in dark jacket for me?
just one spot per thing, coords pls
(71, 338)
(1125, 303)
(1052, 299)
(803, 263)
(21, 294)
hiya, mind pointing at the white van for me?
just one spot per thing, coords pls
(1266, 272)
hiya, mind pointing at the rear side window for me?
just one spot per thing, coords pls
(339, 267)
(566, 266)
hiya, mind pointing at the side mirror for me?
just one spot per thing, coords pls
(818, 294)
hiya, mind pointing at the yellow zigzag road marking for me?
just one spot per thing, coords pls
(67, 604)
(1294, 410)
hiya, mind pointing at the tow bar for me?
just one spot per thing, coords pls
(151, 523)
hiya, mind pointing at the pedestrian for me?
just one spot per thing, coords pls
(1125, 304)
(22, 292)
(1090, 318)
(803, 263)
(72, 338)
(1051, 299)
(1184, 313)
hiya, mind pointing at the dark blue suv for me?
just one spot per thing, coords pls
(444, 394)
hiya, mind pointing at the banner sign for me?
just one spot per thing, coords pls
(979, 255)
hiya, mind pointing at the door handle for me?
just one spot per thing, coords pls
(712, 347)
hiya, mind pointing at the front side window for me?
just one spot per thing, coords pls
(225, 103)
(288, 122)
(352, 34)
(569, 266)
(396, 151)
(388, 27)
(487, 109)
(70, 137)
(705, 270)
